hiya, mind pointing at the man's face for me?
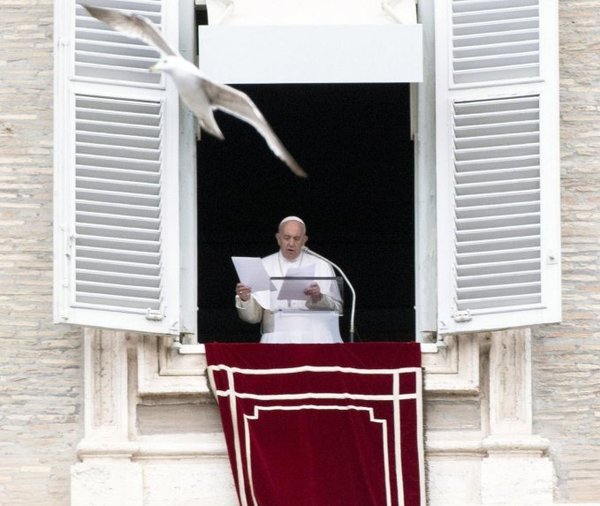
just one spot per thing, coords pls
(291, 239)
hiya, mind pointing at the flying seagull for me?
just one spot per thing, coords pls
(198, 92)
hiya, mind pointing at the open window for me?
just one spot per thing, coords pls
(358, 200)
(459, 219)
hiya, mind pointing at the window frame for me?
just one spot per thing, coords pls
(433, 286)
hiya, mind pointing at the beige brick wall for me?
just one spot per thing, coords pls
(567, 357)
(40, 364)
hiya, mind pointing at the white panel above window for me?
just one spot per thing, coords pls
(311, 41)
(311, 12)
(288, 54)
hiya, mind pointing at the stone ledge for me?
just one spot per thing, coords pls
(203, 446)
(529, 444)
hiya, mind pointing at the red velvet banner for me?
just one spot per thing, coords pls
(322, 424)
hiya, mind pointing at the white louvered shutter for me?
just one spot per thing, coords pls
(116, 166)
(497, 163)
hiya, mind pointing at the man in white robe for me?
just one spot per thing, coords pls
(295, 321)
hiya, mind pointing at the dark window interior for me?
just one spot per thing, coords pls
(358, 203)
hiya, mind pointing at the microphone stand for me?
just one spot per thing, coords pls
(353, 308)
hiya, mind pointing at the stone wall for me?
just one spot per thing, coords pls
(40, 363)
(566, 357)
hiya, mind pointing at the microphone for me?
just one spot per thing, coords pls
(353, 309)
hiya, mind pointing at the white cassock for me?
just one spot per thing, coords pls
(308, 322)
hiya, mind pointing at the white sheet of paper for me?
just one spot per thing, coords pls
(251, 272)
(293, 289)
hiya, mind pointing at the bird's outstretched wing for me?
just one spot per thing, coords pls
(218, 96)
(238, 104)
(133, 25)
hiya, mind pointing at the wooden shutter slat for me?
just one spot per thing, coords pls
(495, 187)
(135, 187)
(483, 234)
(500, 256)
(496, 210)
(500, 278)
(493, 49)
(108, 139)
(115, 220)
(497, 244)
(476, 41)
(116, 174)
(118, 243)
(115, 267)
(119, 152)
(100, 230)
(505, 304)
(117, 128)
(471, 5)
(112, 162)
(488, 268)
(143, 257)
(511, 162)
(113, 302)
(127, 279)
(118, 61)
(516, 197)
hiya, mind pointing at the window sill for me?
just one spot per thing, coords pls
(198, 349)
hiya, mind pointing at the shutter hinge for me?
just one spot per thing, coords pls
(69, 244)
(462, 316)
(154, 315)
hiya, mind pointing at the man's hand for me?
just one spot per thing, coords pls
(314, 292)
(243, 291)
